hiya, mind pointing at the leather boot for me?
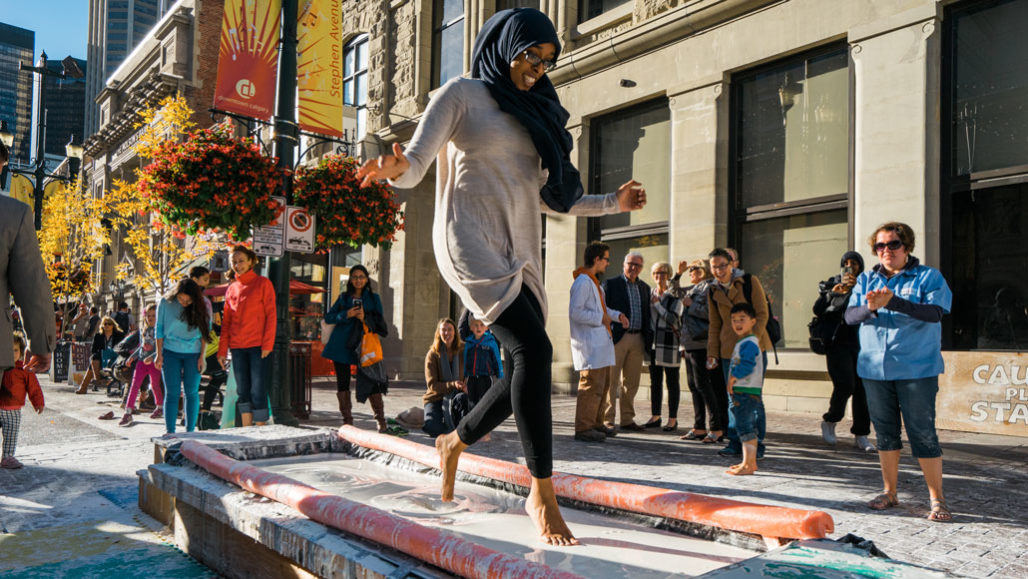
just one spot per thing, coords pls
(379, 409)
(345, 406)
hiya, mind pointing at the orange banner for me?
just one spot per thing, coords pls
(319, 66)
(248, 58)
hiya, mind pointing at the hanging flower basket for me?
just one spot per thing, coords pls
(346, 212)
(212, 181)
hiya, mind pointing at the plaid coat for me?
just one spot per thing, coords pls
(667, 328)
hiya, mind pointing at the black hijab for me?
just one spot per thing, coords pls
(502, 38)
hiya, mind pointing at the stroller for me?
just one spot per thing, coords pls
(117, 367)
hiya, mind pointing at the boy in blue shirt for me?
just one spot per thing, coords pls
(481, 361)
(745, 384)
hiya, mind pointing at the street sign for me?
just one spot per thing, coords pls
(299, 230)
(270, 239)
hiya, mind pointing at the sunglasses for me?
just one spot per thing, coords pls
(893, 245)
(535, 60)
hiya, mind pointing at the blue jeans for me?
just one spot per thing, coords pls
(252, 373)
(730, 433)
(181, 374)
(437, 417)
(894, 403)
(748, 412)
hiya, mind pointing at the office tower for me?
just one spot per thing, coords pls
(65, 98)
(115, 28)
(16, 45)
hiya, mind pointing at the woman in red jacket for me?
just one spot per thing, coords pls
(248, 329)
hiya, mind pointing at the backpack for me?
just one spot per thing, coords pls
(774, 327)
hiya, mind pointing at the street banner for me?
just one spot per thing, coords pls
(299, 230)
(21, 189)
(319, 66)
(248, 58)
(270, 240)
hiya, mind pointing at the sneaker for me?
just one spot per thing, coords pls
(10, 462)
(590, 436)
(828, 432)
(126, 420)
(158, 413)
(730, 451)
(864, 444)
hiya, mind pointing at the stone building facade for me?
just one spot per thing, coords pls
(787, 129)
(179, 54)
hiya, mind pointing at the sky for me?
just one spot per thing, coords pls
(61, 26)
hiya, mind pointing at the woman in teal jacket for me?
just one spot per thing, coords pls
(357, 304)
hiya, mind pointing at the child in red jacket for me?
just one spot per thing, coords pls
(16, 384)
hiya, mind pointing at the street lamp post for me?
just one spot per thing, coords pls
(74, 152)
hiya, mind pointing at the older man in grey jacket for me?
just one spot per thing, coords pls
(23, 276)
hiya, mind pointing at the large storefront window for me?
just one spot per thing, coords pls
(985, 176)
(990, 86)
(633, 144)
(790, 180)
(447, 41)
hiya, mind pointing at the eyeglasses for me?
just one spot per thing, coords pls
(108, 324)
(534, 59)
(893, 245)
(357, 278)
(634, 265)
(720, 267)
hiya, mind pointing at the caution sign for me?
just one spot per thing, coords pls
(299, 230)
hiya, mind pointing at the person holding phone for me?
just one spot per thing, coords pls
(841, 350)
(350, 310)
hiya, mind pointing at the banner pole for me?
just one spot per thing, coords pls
(285, 142)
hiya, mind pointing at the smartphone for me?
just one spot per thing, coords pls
(357, 303)
(846, 271)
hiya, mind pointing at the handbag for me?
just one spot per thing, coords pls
(326, 332)
(371, 348)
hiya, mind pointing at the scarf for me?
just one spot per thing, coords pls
(448, 366)
(503, 37)
(603, 301)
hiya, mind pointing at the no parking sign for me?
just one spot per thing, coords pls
(299, 230)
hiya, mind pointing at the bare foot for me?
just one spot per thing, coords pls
(741, 469)
(449, 446)
(542, 508)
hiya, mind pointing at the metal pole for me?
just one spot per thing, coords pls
(286, 140)
(40, 172)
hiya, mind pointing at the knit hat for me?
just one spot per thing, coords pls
(855, 257)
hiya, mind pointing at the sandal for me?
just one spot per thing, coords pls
(107, 416)
(692, 435)
(882, 502)
(940, 512)
(711, 439)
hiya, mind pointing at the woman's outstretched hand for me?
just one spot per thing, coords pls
(631, 196)
(384, 167)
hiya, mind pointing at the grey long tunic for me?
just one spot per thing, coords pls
(487, 231)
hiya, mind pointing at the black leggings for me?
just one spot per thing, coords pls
(525, 391)
(342, 377)
(674, 389)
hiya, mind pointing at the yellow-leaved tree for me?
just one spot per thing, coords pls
(74, 236)
(156, 251)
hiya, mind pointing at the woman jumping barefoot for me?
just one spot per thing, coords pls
(503, 154)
